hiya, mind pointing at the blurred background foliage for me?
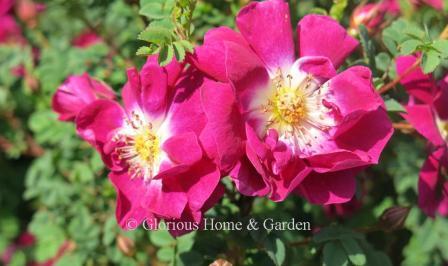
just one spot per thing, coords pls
(57, 206)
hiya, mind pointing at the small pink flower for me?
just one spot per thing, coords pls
(26, 239)
(28, 11)
(427, 111)
(282, 124)
(372, 15)
(77, 92)
(7, 254)
(86, 39)
(10, 31)
(5, 6)
(152, 146)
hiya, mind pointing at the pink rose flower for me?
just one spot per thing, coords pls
(24, 240)
(28, 11)
(10, 31)
(282, 124)
(427, 111)
(86, 39)
(372, 15)
(77, 92)
(6, 6)
(152, 146)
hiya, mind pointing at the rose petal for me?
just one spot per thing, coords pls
(322, 36)
(267, 28)
(329, 188)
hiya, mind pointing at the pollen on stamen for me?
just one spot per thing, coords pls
(296, 111)
(139, 147)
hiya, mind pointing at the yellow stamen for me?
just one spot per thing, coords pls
(147, 146)
(287, 106)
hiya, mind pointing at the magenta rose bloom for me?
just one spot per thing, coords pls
(10, 31)
(6, 6)
(280, 123)
(86, 39)
(77, 92)
(372, 15)
(427, 111)
(152, 146)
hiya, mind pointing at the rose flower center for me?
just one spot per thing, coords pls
(147, 146)
(139, 146)
(289, 106)
(295, 108)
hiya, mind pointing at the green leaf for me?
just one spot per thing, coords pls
(355, 253)
(430, 61)
(319, 11)
(390, 44)
(49, 236)
(155, 34)
(166, 55)
(165, 254)
(81, 172)
(374, 258)
(18, 259)
(188, 46)
(155, 10)
(442, 47)
(337, 9)
(409, 46)
(109, 231)
(334, 254)
(144, 51)
(405, 7)
(382, 61)
(179, 51)
(393, 106)
(334, 233)
(400, 31)
(275, 248)
(9, 227)
(191, 258)
(163, 23)
(185, 242)
(161, 238)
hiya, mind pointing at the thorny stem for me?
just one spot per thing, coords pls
(397, 80)
(300, 243)
(404, 127)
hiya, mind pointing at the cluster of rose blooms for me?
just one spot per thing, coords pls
(274, 116)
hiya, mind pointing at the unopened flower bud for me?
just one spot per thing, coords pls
(221, 262)
(393, 218)
(126, 245)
